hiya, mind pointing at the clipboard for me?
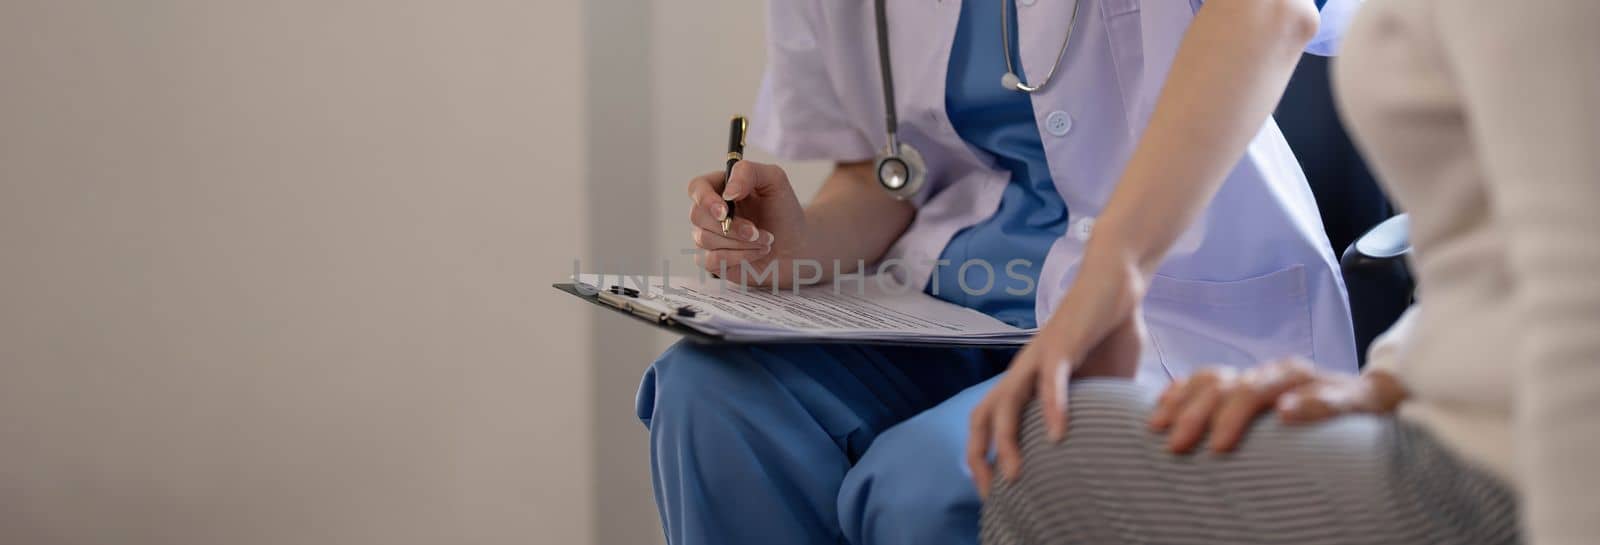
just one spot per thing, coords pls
(666, 323)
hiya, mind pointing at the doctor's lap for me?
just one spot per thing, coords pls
(751, 444)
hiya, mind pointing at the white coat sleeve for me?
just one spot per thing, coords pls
(1530, 79)
(1336, 16)
(798, 114)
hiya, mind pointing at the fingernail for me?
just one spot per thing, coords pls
(697, 237)
(722, 211)
(1063, 376)
(751, 234)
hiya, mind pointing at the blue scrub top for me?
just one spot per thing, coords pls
(999, 124)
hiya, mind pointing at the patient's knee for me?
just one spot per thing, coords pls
(1097, 406)
(1106, 425)
(1104, 417)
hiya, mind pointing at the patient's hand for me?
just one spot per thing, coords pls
(1224, 401)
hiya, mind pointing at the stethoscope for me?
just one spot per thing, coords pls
(900, 168)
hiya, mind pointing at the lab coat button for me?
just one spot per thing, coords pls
(1058, 123)
(1083, 229)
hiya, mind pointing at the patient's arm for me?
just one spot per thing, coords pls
(1530, 94)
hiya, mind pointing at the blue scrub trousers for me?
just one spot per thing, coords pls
(810, 444)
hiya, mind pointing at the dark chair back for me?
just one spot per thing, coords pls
(1347, 194)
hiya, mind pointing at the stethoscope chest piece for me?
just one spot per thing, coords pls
(903, 173)
(900, 169)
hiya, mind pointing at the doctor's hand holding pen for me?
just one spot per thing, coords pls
(769, 224)
(752, 229)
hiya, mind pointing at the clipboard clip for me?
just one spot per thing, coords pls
(623, 297)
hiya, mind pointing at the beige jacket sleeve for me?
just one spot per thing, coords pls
(1385, 351)
(1530, 76)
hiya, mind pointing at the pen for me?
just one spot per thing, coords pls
(736, 129)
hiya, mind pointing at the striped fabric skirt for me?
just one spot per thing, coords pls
(1353, 480)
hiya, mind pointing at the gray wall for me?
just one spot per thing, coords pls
(622, 215)
(276, 273)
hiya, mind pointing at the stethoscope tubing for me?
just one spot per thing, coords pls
(900, 169)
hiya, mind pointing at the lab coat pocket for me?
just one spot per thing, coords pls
(1239, 323)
